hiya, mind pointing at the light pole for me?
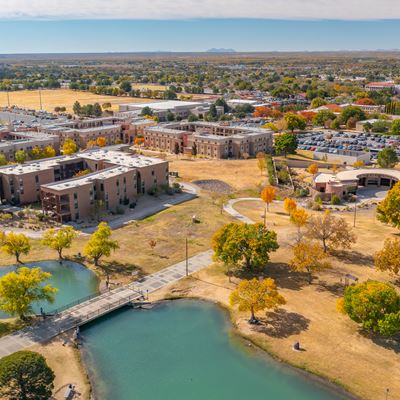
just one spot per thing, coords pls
(387, 394)
(187, 256)
(355, 210)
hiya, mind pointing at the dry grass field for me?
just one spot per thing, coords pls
(334, 346)
(61, 97)
(168, 228)
(241, 175)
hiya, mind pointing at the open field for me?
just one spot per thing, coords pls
(168, 228)
(241, 175)
(62, 97)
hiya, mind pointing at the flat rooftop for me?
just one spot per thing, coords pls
(355, 174)
(87, 179)
(164, 105)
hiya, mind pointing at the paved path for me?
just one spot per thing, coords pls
(228, 207)
(147, 206)
(100, 305)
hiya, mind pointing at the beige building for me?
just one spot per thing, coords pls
(11, 142)
(211, 140)
(116, 178)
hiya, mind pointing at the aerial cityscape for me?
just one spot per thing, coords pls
(199, 200)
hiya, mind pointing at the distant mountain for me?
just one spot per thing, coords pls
(213, 50)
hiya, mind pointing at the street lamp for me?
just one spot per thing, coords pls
(355, 210)
(187, 256)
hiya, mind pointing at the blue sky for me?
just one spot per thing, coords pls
(32, 26)
(37, 36)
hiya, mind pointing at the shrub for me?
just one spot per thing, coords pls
(301, 192)
(318, 199)
(335, 200)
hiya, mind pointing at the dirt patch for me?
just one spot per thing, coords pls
(214, 185)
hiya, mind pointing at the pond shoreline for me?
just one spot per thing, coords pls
(335, 387)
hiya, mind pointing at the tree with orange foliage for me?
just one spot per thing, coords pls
(101, 141)
(365, 101)
(90, 144)
(139, 141)
(268, 195)
(289, 205)
(262, 112)
(312, 169)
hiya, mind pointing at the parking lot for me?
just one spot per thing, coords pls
(332, 142)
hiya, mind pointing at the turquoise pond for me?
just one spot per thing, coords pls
(73, 280)
(183, 350)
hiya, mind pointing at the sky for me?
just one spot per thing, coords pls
(54, 26)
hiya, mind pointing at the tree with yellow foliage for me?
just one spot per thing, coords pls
(359, 164)
(299, 217)
(101, 141)
(333, 232)
(19, 289)
(312, 169)
(15, 244)
(268, 195)
(309, 257)
(261, 161)
(254, 295)
(388, 259)
(69, 147)
(289, 205)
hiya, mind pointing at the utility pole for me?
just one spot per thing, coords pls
(187, 256)
(8, 98)
(40, 99)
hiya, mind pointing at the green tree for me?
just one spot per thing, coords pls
(317, 102)
(99, 244)
(387, 158)
(25, 375)
(59, 239)
(97, 111)
(146, 111)
(238, 244)
(395, 127)
(19, 289)
(77, 108)
(15, 244)
(125, 86)
(375, 305)
(286, 143)
(388, 210)
(323, 116)
(21, 156)
(295, 121)
(352, 112)
(3, 159)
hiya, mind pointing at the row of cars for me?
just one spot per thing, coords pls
(333, 142)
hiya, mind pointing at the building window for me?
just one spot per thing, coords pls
(75, 196)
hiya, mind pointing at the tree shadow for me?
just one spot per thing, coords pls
(283, 324)
(125, 269)
(284, 277)
(337, 288)
(354, 257)
(392, 343)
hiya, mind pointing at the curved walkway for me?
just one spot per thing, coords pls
(228, 207)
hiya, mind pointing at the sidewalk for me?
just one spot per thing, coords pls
(100, 305)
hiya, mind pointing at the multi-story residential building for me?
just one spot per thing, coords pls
(376, 86)
(116, 178)
(212, 140)
(11, 142)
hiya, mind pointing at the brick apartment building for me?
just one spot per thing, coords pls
(11, 142)
(212, 140)
(116, 178)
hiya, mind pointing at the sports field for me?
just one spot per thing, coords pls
(62, 98)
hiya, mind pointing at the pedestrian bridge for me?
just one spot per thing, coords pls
(95, 307)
